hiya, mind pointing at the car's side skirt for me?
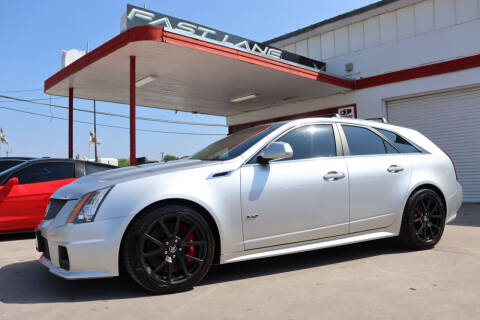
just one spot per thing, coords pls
(307, 246)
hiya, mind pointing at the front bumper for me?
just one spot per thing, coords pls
(92, 248)
(71, 275)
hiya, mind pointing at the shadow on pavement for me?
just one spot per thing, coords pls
(29, 282)
(16, 236)
(299, 261)
(468, 215)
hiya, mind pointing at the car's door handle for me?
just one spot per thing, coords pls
(394, 168)
(334, 175)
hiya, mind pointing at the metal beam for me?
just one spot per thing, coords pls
(133, 154)
(70, 123)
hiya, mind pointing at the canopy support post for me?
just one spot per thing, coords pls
(70, 123)
(132, 112)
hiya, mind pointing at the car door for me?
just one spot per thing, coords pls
(379, 176)
(297, 199)
(23, 206)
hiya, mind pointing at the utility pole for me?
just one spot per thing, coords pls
(95, 128)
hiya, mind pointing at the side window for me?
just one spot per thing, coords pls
(92, 168)
(311, 141)
(48, 171)
(400, 142)
(362, 141)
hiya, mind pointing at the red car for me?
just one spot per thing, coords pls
(25, 189)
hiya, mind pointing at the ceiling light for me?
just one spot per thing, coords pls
(144, 81)
(243, 98)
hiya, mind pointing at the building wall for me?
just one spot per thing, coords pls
(417, 33)
(370, 102)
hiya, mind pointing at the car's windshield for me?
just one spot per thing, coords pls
(235, 144)
(4, 165)
(4, 174)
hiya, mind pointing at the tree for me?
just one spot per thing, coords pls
(123, 162)
(169, 157)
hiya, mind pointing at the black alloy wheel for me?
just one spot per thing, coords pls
(169, 249)
(423, 220)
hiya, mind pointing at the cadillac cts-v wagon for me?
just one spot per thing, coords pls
(268, 190)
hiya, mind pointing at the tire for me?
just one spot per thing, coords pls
(423, 220)
(169, 249)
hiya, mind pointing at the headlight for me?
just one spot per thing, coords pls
(87, 207)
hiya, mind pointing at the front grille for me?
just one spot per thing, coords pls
(54, 208)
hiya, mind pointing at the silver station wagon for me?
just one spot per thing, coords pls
(264, 191)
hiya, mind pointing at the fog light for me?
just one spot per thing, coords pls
(63, 258)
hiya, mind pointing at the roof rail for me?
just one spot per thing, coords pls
(382, 120)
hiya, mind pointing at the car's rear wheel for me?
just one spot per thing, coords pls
(423, 220)
(168, 249)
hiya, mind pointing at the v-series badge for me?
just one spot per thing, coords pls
(137, 16)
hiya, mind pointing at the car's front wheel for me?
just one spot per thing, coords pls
(168, 249)
(423, 220)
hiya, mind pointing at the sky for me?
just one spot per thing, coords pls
(33, 34)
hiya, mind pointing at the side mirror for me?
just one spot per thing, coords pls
(276, 151)
(10, 183)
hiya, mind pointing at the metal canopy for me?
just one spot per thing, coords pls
(191, 74)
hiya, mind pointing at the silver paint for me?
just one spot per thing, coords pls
(298, 205)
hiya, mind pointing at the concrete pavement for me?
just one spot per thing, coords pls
(375, 280)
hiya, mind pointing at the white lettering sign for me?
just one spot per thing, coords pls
(202, 32)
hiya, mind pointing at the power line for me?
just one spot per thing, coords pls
(111, 126)
(25, 90)
(116, 114)
(33, 100)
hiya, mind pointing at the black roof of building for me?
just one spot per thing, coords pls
(334, 19)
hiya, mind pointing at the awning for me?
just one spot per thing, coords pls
(164, 62)
(191, 74)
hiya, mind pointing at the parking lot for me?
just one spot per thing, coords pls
(376, 280)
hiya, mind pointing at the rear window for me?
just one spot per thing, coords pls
(402, 144)
(362, 141)
(92, 168)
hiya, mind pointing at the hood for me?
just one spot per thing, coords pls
(112, 177)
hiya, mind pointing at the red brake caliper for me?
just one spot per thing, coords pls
(415, 214)
(190, 249)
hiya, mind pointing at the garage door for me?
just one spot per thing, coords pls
(451, 120)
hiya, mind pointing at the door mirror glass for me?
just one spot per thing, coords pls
(276, 151)
(12, 182)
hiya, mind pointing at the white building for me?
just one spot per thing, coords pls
(416, 63)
